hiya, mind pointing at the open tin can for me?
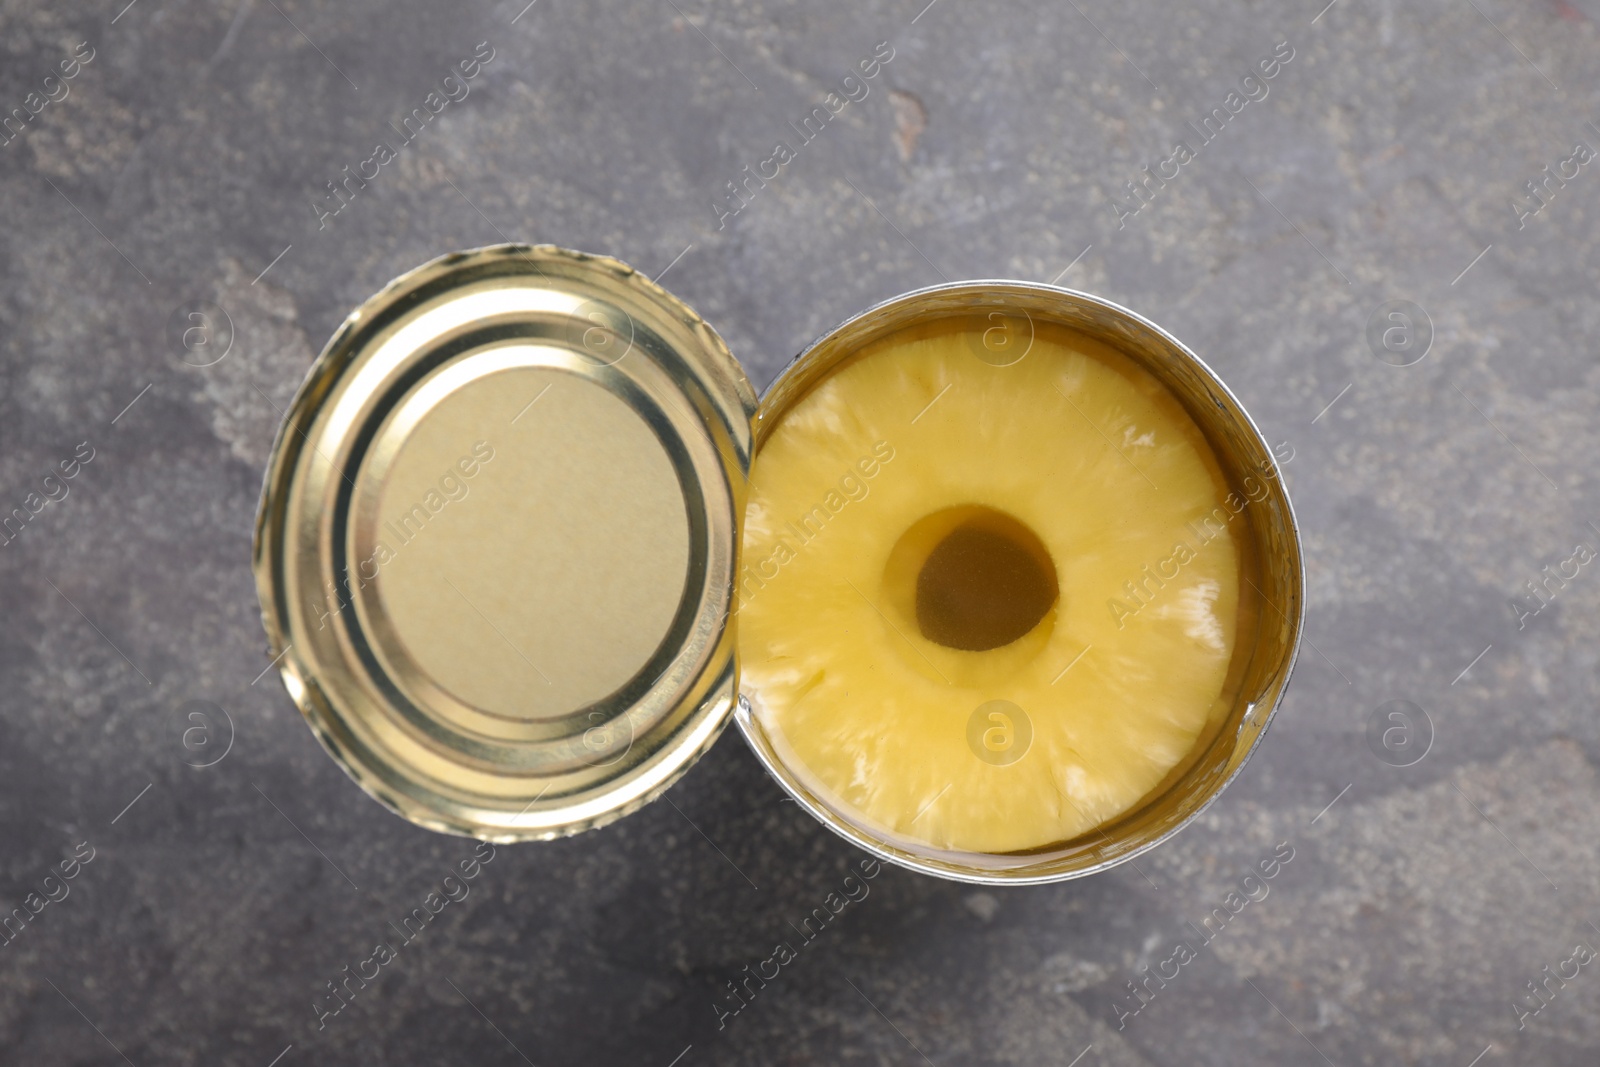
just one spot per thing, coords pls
(498, 548)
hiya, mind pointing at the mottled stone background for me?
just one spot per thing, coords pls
(189, 156)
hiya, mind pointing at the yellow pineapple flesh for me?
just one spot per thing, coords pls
(986, 608)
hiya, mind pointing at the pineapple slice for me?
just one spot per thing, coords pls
(986, 608)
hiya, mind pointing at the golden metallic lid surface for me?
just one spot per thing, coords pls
(497, 538)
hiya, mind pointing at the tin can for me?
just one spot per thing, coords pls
(1009, 314)
(498, 541)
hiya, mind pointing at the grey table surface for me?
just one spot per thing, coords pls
(187, 161)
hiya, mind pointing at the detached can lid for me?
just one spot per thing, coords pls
(496, 544)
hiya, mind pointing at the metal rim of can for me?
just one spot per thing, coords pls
(1235, 439)
(469, 321)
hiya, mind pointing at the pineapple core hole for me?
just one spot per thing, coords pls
(985, 581)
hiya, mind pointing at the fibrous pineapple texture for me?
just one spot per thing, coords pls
(982, 608)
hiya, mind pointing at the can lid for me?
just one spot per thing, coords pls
(496, 544)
